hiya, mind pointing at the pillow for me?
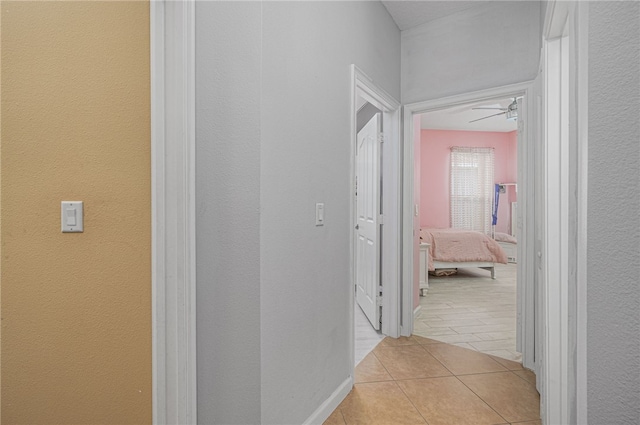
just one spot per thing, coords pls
(503, 237)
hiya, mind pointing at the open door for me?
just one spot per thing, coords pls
(367, 262)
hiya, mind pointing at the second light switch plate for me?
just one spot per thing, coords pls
(320, 214)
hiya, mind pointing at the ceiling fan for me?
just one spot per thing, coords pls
(510, 111)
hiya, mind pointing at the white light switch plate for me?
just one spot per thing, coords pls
(72, 216)
(320, 214)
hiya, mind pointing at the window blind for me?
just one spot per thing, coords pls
(471, 195)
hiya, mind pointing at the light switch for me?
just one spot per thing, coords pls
(71, 213)
(320, 214)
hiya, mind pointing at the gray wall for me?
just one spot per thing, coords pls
(228, 86)
(613, 287)
(273, 132)
(478, 48)
(307, 50)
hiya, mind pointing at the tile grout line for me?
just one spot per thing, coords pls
(412, 403)
(436, 359)
(395, 382)
(405, 394)
(385, 368)
(524, 379)
(482, 399)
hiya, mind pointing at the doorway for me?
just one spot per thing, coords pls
(466, 179)
(375, 259)
(524, 253)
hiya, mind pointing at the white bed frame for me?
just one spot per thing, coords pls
(465, 265)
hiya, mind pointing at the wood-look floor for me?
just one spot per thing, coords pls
(473, 311)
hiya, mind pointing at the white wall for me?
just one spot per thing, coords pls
(476, 49)
(228, 86)
(305, 158)
(273, 131)
(613, 252)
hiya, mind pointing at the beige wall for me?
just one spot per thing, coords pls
(76, 308)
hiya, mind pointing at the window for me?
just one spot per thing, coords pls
(472, 187)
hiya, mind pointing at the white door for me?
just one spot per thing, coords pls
(367, 213)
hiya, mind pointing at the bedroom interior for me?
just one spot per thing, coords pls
(467, 166)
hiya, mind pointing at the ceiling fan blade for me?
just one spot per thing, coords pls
(488, 116)
(488, 107)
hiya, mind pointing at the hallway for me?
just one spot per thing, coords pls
(418, 380)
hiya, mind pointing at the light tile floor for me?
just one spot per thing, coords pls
(473, 311)
(366, 337)
(419, 380)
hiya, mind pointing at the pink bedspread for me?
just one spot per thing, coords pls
(452, 245)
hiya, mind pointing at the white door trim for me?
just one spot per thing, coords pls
(565, 47)
(579, 133)
(172, 36)
(364, 86)
(555, 241)
(525, 210)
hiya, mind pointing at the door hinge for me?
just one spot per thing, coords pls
(380, 219)
(379, 300)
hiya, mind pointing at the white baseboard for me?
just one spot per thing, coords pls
(416, 312)
(326, 409)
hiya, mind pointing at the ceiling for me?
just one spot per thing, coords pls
(409, 13)
(457, 118)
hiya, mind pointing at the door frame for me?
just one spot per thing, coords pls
(525, 205)
(564, 255)
(173, 282)
(362, 85)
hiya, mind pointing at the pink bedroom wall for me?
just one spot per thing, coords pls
(416, 219)
(434, 172)
(504, 209)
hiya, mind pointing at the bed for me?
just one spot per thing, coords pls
(456, 249)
